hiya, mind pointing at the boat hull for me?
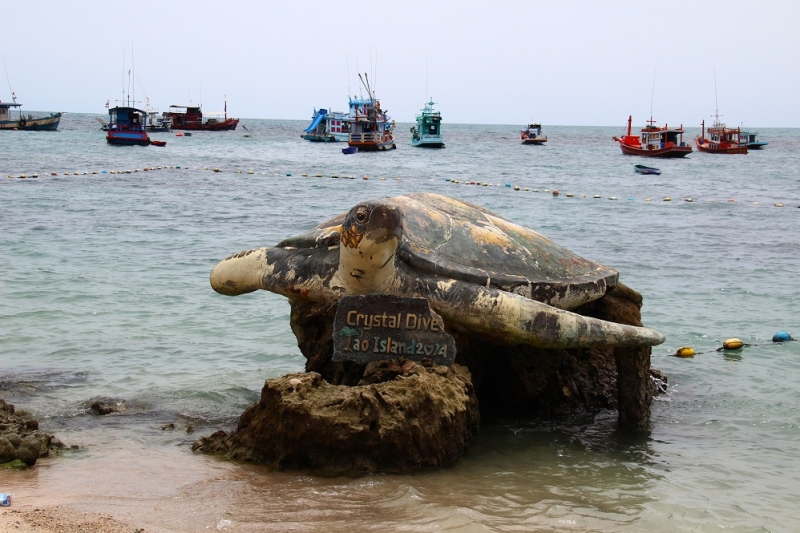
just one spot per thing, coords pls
(33, 124)
(711, 148)
(672, 151)
(641, 169)
(128, 139)
(373, 146)
(757, 145)
(331, 138)
(535, 142)
(427, 143)
(223, 125)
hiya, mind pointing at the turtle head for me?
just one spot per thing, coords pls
(370, 234)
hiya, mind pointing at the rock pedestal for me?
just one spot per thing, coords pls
(400, 416)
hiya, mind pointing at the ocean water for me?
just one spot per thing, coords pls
(105, 296)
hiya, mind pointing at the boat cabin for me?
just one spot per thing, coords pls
(4, 107)
(655, 138)
(182, 115)
(127, 119)
(368, 122)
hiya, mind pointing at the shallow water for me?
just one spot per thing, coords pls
(105, 295)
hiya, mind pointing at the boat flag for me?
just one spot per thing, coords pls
(107, 102)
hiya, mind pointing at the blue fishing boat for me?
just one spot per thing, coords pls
(641, 169)
(126, 126)
(428, 131)
(328, 126)
(26, 122)
(750, 138)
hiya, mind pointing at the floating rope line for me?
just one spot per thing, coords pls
(733, 345)
(556, 194)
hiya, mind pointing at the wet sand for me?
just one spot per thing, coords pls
(171, 491)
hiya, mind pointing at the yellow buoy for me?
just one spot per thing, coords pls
(22, 176)
(304, 175)
(516, 187)
(667, 199)
(687, 200)
(778, 205)
(569, 195)
(647, 199)
(216, 170)
(685, 351)
(732, 344)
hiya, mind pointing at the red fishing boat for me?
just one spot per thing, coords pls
(191, 118)
(721, 139)
(654, 141)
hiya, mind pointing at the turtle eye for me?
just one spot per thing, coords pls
(362, 214)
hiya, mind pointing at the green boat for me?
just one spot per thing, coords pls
(428, 131)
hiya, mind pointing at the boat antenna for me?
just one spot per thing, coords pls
(347, 60)
(133, 67)
(716, 103)
(13, 96)
(652, 95)
(188, 90)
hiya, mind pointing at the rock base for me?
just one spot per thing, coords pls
(401, 417)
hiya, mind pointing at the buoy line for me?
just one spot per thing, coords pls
(556, 194)
(733, 345)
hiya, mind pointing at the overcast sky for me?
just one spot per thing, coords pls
(486, 62)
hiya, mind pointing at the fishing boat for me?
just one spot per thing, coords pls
(328, 126)
(654, 141)
(157, 122)
(750, 138)
(721, 139)
(188, 117)
(428, 131)
(126, 126)
(641, 169)
(28, 121)
(533, 135)
(370, 126)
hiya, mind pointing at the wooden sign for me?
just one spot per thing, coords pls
(373, 327)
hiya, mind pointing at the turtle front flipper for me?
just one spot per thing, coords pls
(240, 273)
(512, 319)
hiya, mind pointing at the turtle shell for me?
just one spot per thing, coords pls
(454, 239)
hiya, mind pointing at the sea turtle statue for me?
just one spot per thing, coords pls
(480, 272)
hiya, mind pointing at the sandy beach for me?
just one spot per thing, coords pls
(60, 520)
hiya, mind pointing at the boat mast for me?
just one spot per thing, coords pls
(652, 96)
(716, 104)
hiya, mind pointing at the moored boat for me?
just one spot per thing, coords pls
(28, 121)
(126, 126)
(533, 135)
(750, 138)
(721, 139)
(328, 126)
(370, 129)
(185, 117)
(654, 141)
(428, 131)
(350, 150)
(641, 169)
(157, 122)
